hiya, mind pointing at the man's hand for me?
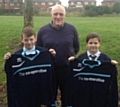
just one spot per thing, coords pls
(71, 58)
(52, 51)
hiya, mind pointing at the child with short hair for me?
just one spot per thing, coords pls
(92, 79)
(93, 43)
(28, 39)
(30, 73)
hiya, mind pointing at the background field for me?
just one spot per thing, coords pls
(107, 27)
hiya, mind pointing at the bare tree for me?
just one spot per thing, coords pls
(28, 13)
(21, 6)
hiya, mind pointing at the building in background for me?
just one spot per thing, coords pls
(81, 3)
(109, 2)
(16, 5)
(13, 5)
(45, 4)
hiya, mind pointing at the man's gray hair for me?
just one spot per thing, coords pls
(60, 6)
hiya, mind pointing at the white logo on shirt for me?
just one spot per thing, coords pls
(79, 65)
(19, 60)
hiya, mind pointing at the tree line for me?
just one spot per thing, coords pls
(87, 11)
(101, 10)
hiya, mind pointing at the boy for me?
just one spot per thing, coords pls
(28, 44)
(93, 43)
(30, 73)
(92, 79)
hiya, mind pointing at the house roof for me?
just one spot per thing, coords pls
(47, 0)
(111, 0)
(82, 0)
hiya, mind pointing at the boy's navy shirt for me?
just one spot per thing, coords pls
(92, 84)
(30, 79)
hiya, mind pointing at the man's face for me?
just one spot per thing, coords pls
(58, 17)
(28, 42)
(93, 45)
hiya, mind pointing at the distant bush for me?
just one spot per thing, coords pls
(75, 14)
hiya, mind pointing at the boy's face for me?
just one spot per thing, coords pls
(28, 42)
(93, 45)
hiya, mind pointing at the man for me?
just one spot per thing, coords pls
(64, 39)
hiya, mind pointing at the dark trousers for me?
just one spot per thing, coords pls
(60, 75)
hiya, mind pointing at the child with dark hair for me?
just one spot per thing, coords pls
(30, 73)
(92, 79)
(93, 43)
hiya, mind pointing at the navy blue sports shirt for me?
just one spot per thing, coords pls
(92, 84)
(30, 79)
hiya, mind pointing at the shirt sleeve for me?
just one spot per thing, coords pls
(76, 43)
(113, 91)
(39, 38)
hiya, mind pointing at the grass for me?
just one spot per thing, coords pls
(107, 27)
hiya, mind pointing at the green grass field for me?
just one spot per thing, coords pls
(107, 27)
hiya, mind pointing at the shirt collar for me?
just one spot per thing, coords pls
(24, 49)
(51, 23)
(97, 54)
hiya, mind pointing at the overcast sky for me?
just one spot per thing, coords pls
(64, 2)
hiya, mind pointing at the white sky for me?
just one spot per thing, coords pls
(64, 2)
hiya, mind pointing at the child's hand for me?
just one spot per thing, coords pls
(114, 62)
(71, 58)
(52, 51)
(7, 55)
